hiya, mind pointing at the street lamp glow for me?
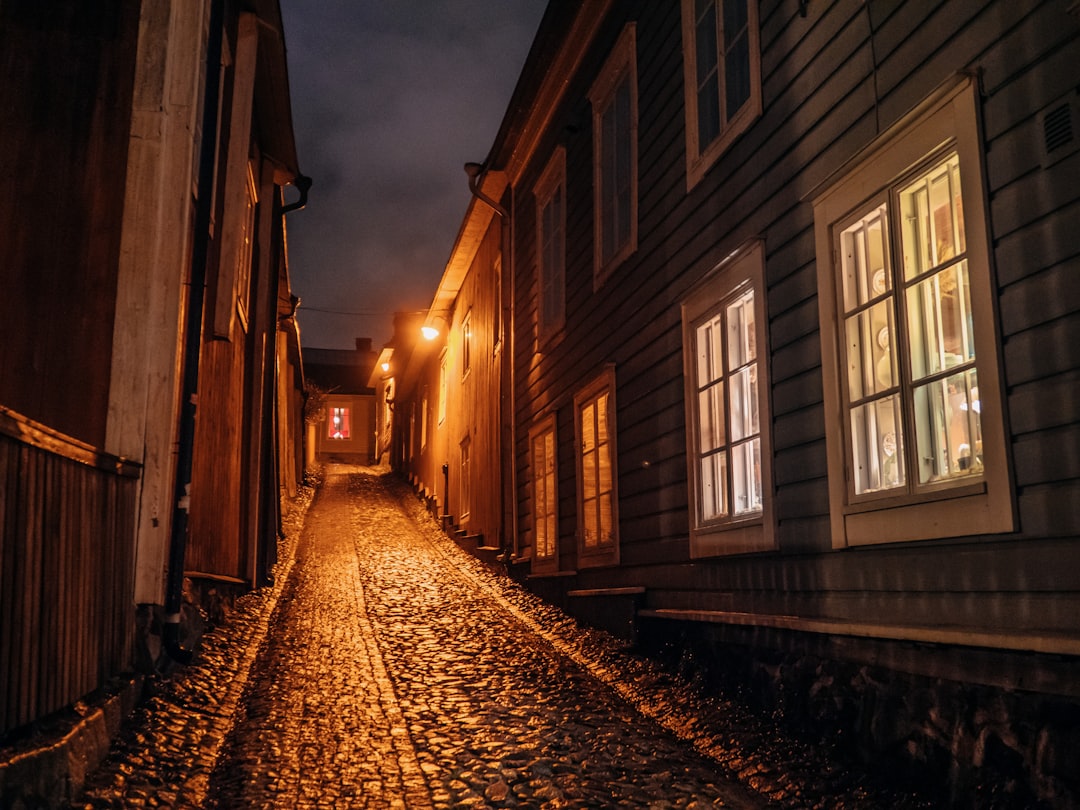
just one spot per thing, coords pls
(429, 332)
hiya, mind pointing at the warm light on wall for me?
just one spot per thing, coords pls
(385, 367)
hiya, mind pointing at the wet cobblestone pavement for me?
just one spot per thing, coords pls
(396, 671)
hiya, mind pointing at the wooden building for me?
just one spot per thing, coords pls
(148, 145)
(345, 429)
(792, 312)
(449, 397)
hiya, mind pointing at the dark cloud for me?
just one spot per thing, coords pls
(390, 99)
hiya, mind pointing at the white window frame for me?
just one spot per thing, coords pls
(604, 551)
(752, 530)
(545, 495)
(550, 193)
(701, 156)
(466, 344)
(973, 504)
(621, 66)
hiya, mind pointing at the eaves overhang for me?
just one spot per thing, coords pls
(273, 103)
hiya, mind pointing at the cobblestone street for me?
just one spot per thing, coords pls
(397, 671)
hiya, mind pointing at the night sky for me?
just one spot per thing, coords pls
(390, 98)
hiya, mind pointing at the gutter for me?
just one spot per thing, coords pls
(174, 582)
(506, 400)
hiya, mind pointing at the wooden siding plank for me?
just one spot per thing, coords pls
(794, 465)
(797, 393)
(1026, 357)
(1052, 510)
(1045, 243)
(1027, 403)
(9, 487)
(1048, 456)
(1040, 40)
(1042, 297)
(1034, 197)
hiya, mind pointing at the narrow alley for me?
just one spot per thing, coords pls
(397, 671)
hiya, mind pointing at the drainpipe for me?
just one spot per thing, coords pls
(174, 583)
(474, 171)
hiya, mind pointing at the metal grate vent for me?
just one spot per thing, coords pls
(1059, 125)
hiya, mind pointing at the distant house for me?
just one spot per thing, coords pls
(774, 306)
(344, 430)
(150, 146)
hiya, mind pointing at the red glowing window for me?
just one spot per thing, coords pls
(338, 424)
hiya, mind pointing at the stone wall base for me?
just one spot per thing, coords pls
(48, 767)
(959, 725)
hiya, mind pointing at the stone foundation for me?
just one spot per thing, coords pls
(964, 744)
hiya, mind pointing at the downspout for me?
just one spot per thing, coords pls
(174, 582)
(474, 171)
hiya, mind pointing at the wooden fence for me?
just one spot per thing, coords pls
(67, 515)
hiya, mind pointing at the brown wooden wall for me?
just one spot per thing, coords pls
(66, 569)
(68, 71)
(217, 521)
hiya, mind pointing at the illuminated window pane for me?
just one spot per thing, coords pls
(744, 403)
(544, 497)
(940, 322)
(597, 473)
(742, 347)
(863, 257)
(871, 358)
(592, 535)
(931, 211)
(948, 430)
(605, 519)
(746, 477)
(877, 445)
(713, 471)
(727, 409)
(710, 351)
(711, 418)
(337, 425)
(588, 430)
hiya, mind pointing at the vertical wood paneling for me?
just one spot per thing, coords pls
(66, 562)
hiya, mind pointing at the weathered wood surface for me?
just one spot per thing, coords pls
(66, 566)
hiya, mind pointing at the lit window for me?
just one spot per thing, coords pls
(905, 277)
(423, 419)
(337, 426)
(930, 292)
(465, 479)
(597, 497)
(614, 102)
(545, 494)
(551, 241)
(727, 408)
(722, 77)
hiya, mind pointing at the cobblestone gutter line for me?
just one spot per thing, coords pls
(167, 748)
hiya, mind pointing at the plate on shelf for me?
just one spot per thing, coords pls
(879, 281)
